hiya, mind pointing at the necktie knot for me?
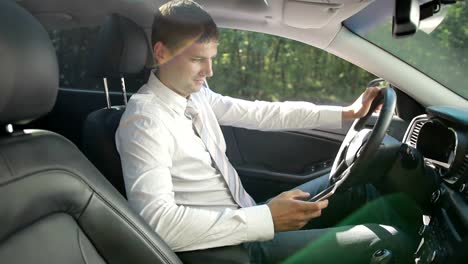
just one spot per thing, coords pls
(191, 111)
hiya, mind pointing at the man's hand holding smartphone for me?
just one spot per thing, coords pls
(291, 210)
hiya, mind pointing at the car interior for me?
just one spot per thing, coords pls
(61, 184)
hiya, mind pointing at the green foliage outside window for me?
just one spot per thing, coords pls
(249, 65)
(442, 55)
(258, 66)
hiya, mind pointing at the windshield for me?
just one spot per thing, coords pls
(442, 54)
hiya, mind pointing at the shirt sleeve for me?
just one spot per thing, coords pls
(263, 115)
(146, 148)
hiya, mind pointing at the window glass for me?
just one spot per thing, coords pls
(249, 65)
(74, 48)
(442, 54)
(258, 66)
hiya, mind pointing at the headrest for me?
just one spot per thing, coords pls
(29, 76)
(122, 49)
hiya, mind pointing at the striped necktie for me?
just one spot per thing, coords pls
(230, 175)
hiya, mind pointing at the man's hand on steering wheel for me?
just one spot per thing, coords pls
(361, 106)
(363, 140)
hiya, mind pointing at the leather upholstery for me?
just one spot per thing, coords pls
(121, 49)
(100, 127)
(28, 67)
(55, 207)
(99, 144)
(225, 255)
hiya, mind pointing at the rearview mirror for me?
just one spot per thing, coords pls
(405, 18)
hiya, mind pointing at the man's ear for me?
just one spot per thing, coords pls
(161, 53)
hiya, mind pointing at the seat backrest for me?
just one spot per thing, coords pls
(99, 144)
(121, 50)
(100, 126)
(55, 206)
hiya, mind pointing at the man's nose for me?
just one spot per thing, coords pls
(208, 69)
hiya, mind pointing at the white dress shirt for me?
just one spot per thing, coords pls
(170, 178)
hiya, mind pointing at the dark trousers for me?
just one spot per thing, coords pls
(356, 223)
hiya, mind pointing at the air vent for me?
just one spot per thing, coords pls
(411, 137)
(459, 173)
(415, 133)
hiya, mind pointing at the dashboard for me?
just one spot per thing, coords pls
(441, 136)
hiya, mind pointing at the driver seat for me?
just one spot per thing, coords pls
(55, 206)
(122, 50)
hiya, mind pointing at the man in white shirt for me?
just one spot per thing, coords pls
(172, 150)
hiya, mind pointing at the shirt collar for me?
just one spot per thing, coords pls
(175, 101)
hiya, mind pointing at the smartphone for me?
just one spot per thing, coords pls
(329, 191)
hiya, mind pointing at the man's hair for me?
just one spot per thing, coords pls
(180, 20)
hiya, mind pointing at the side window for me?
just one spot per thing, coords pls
(74, 48)
(253, 66)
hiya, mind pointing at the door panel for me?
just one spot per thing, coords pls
(271, 162)
(288, 152)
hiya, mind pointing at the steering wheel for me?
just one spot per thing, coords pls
(360, 144)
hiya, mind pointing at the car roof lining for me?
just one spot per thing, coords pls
(254, 15)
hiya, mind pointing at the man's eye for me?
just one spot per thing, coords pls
(196, 59)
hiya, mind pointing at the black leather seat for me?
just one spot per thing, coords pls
(120, 39)
(99, 144)
(55, 206)
(121, 50)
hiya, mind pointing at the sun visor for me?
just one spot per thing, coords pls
(319, 13)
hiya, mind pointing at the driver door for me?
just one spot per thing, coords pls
(255, 66)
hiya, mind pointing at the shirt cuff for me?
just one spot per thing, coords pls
(331, 116)
(259, 223)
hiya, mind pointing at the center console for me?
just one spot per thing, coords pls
(444, 234)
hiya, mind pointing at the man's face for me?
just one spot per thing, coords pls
(188, 68)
